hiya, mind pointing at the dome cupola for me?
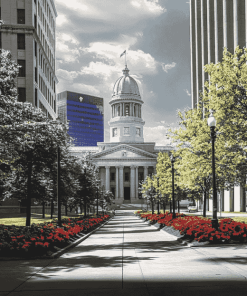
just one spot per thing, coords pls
(126, 85)
(126, 124)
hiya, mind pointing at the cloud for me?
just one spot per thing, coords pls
(168, 66)
(67, 48)
(156, 134)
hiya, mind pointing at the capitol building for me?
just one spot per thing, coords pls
(126, 160)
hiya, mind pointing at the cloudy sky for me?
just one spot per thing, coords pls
(91, 35)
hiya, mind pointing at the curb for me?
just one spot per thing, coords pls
(61, 251)
(190, 244)
(73, 244)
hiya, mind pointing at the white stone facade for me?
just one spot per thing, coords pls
(127, 159)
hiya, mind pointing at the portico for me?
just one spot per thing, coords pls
(119, 177)
(122, 168)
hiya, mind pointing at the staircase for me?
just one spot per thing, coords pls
(131, 206)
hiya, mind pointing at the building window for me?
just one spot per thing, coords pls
(35, 48)
(140, 176)
(21, 94)
(113, 191)
(20, 16)
(127, 110)
(36, 97)
(138, 131)
(22, 70)
(126, 177)
(20, 41)
(114, 132)
(126, 130)
(0, 40)
(36, 75)
(112, 176)
(35, 21)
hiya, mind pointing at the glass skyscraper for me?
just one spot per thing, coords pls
(85, 114)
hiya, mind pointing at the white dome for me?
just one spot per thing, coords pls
(126, 85)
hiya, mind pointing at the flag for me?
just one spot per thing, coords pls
(122, 53)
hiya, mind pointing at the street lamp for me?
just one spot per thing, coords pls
(173, 198)
(158, 204)
(97, 198)
(212, 124)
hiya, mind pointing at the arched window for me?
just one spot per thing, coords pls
(118, 110)
(127, 110)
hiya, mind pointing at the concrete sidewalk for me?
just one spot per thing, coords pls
(129, 257)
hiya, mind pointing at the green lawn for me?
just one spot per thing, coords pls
(21, 221)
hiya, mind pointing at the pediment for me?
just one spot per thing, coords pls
(124, 151)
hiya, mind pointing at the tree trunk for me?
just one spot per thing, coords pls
(43, 210)
(66, 209)
(170, 205)
(164, 207)
(51, 209)
(80, 207)
(85, 209)
(178, 207)
(152, 203)
(204, 203)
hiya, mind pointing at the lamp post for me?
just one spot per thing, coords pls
(97, 198)
(58, 188)
(173, 198)
(212, 125)
(158, 204)
(102, 198)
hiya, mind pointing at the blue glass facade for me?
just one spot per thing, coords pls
(86, 118)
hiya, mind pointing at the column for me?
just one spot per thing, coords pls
(107, 178)
(131, 109)
(137, 185)
(121, 188)
(154, 169)
(121, 109)
(112, 111)
(235, 23)
(116, 183)
(145, 172)
(132, 182)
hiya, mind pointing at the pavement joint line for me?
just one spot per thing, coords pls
(73, 244)
(54, 258)
(122, 255)
(61, 251)
(231, 267)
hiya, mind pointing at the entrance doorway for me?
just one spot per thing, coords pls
(126, 193)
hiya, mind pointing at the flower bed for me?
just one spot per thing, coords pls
(200, 229)
(39, 239)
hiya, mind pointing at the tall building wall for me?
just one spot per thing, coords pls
(214, 24)
(85, 115)
(29, 32)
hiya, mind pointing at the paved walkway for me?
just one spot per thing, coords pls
(129, 257)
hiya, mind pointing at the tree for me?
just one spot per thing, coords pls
(226, 95)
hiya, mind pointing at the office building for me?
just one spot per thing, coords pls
(85, 114)
(29, 32)
(214, 24)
